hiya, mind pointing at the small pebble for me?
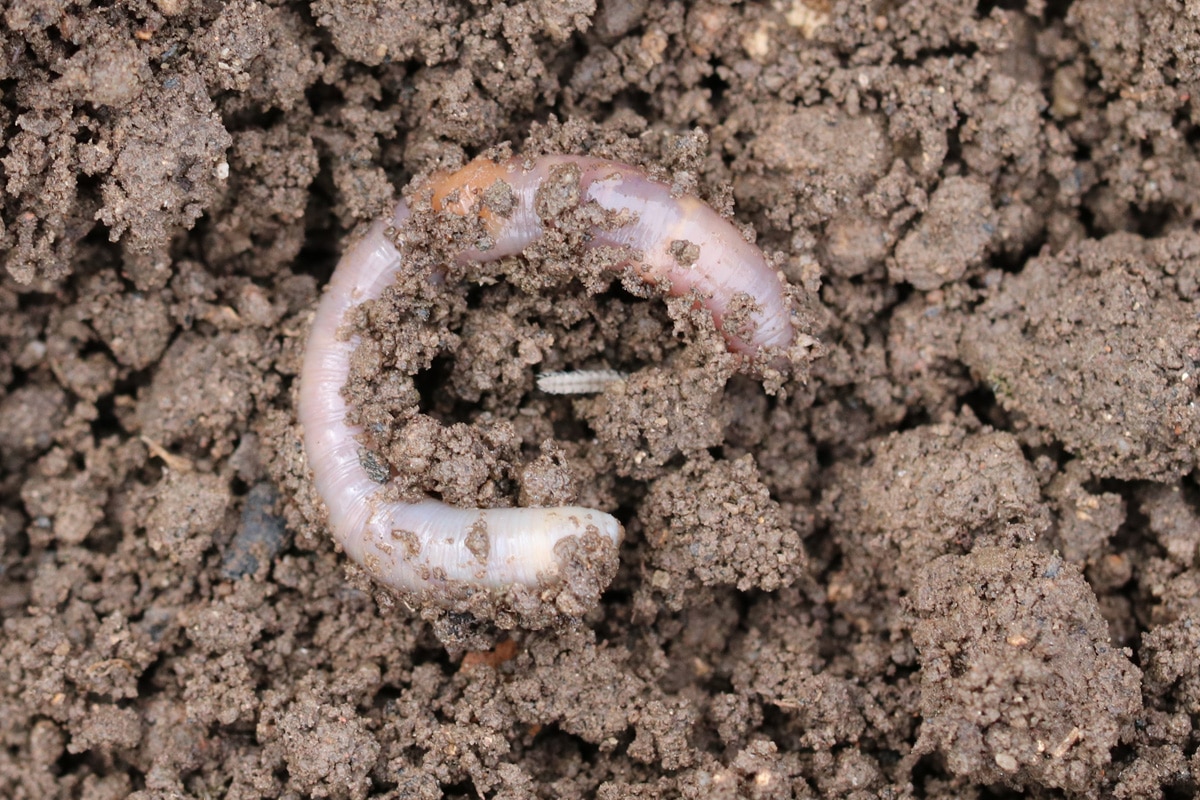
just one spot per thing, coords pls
(260, 537)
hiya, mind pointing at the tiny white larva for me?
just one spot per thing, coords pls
(579, 381)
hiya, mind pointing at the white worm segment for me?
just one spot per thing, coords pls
(412, 547)
(580, 381)
(424, 546)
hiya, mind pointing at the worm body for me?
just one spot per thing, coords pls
(428, 546)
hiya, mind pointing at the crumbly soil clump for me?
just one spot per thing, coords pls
(955, 553)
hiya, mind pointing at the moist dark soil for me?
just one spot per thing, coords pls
(955, 553)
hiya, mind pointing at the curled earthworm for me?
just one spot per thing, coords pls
(678, 243)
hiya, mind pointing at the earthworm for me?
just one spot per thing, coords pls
(678, 243)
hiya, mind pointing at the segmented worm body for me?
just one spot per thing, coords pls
(428, 545)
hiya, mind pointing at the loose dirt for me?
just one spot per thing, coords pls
(955, 554)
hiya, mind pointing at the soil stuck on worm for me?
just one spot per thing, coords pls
(956, 556)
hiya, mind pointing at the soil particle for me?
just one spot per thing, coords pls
(1065, 697)
(615, 18)
(547, 480)
(207, 386)
(840, 150)
(1086, 521)
(930, 491)
(655, 415)
(954, 234)
(777, 663)
(922, 352)
(111, 309)
(155, 185)
(461, 463)
(189, 508)
(1170, 670)
(715, 524)
(29, 418)
(327, 749)
(106, 728)
(1114, 376)
(582, 673)
(1173, 521)
(257, 227)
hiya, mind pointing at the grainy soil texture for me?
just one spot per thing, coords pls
(953, 553)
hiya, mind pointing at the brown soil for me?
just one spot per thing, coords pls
(956, 554)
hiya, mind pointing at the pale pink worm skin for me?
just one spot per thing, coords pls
(423, 546)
